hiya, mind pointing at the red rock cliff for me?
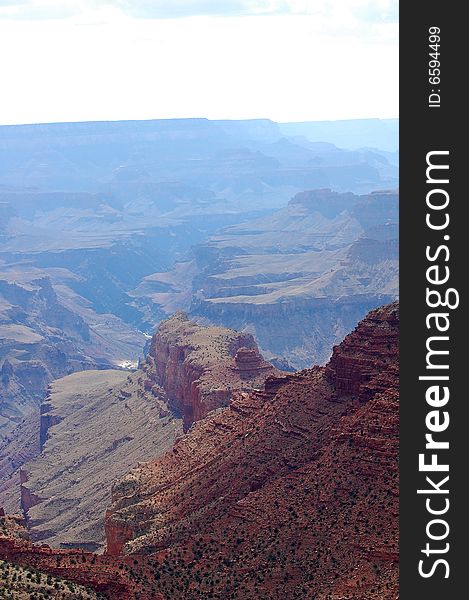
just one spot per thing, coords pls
(365, 362)
(200, 367)
(288, 492)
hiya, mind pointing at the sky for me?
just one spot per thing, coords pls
(286, 60)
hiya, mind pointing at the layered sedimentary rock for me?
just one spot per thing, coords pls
(200, 367)
(71, 573)
(356, 368)
(299, 279)
(95, 426)
(289, 492)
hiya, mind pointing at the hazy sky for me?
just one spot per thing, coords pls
(288, 60)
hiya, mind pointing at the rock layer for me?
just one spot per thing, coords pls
(289, 492)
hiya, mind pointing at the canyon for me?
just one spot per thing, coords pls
(289, 491)
(96, 425)
(291, 488)
(99, 221)
(298, 280)
(195, 401)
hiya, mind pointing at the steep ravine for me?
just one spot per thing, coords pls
(291, 491)
(96, 425)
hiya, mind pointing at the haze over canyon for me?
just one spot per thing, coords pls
(199, 358)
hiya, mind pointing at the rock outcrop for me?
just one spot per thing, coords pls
(364, 364)
(200, 368)
(291, 491)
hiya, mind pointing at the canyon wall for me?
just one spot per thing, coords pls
(293, 488)
(199, 367)
(290, 491)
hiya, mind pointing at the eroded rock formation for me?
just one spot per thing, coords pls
(293, 489)
(200, 367)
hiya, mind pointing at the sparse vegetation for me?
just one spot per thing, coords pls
(25, 583)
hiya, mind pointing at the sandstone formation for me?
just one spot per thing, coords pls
(96, 425)
(289, 492)
(200, 367)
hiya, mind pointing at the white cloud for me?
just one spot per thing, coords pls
(101, 63)
(368, 10)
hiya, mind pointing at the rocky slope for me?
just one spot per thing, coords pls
(370, 133)
(24, 582)
(290, 492)
(299, 280)
(96, 425)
